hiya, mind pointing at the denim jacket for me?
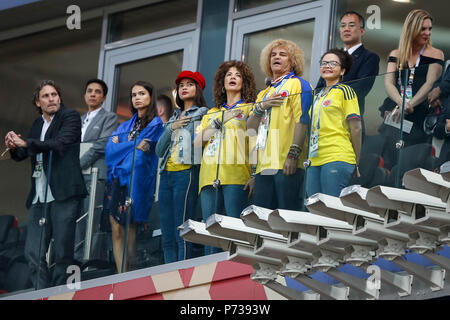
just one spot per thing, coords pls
(187, 152)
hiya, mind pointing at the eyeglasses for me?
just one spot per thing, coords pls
(331, 64)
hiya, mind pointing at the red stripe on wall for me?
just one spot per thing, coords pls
(186, 275)
(97, 293)
(230, 269)
(241, 288)
(135, 288)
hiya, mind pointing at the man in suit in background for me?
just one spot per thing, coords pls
(97, 126)
(440, 97)
(365, 63)
(57, 185)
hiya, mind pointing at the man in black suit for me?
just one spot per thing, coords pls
(441, 91)
(57, 185)
(365, 63)
(440, 97)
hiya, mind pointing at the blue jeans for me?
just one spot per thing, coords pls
(177, 200)
(329, 178)
(278, 191)
(229, 199)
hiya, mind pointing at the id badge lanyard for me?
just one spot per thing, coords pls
(314, 138)
(215, 142)
(408, 89)
(263, 129)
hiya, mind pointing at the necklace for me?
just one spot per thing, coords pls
(276, 81)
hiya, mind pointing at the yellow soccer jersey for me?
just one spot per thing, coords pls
(173, 163)
(234, 161)
(336, 108)
(283, 119)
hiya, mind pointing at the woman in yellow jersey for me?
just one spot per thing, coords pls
(177, 196)
(335, 139)
(223, 183)
(281, 118)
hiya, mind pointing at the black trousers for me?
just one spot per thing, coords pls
(60, 225)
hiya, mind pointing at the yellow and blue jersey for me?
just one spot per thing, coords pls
(295, 109)
(336, 108)
(234, 160)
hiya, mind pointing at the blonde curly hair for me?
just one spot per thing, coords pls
(296, 56)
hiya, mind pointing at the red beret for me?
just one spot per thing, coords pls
(196, 76)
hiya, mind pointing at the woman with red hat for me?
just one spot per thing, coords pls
(179, 168)
(225, 181)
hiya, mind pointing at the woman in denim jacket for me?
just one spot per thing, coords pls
(179, 167)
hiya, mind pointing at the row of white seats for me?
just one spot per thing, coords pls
(358, 228)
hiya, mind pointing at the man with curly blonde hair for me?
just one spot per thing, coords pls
(281, 118)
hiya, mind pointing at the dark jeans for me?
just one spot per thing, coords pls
(231, 200)
(177, 201)
(329, 178)
(60, 225)
(278, 191)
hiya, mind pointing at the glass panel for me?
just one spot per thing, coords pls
(384, 38)
(93, 233)
(381, 163)
(157, 17)
(301, 33)
(144, 238)
(67, 57)
(150, 70)
(378, 145)
(387, 152)
(420, 145)
(249, 4)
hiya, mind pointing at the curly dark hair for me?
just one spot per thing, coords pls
(151, 110)
(248, 91)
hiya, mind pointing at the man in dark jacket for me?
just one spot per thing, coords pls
(365, 63)
(440, 96)
(57, 185)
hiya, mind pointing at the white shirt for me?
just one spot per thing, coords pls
(41, 181)
(353, 49)
(89, 116)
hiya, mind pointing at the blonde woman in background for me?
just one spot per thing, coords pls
(424, 63)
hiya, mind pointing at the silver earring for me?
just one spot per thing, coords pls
(223, 89)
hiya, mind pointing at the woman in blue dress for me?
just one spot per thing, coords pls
(132, 167)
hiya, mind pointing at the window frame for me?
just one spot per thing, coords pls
(276, 15)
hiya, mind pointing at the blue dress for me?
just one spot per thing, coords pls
(119, 160)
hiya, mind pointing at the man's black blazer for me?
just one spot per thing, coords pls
(62, 139)
(366, 66)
